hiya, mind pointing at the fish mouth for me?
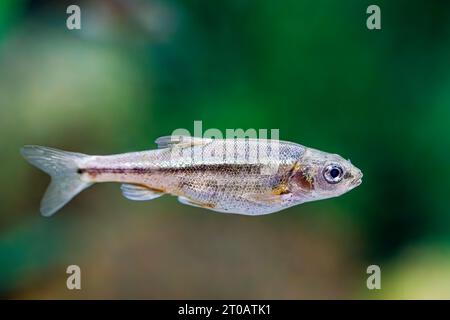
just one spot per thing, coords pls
(358, 180)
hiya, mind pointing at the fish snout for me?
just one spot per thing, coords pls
(357, 180)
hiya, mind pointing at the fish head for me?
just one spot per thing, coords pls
(321, 175)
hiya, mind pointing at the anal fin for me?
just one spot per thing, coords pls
(139, 193)
(193, 203)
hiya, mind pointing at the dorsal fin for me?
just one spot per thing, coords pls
(180, 141)
(139, 193)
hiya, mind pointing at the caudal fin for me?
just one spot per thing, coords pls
(62, 166)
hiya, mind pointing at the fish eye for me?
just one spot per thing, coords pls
(333, 173)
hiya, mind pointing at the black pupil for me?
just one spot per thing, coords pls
(334, 173)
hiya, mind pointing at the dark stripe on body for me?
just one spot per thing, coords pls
(213, 168)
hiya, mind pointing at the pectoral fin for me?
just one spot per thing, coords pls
(267, 198)
(139, 193)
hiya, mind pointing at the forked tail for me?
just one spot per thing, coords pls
(62, 166)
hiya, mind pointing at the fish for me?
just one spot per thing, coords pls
(237, 176)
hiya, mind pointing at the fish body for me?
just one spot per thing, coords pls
(241, 176)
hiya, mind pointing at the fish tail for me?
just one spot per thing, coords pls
(63, 167)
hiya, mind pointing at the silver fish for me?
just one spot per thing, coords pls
(242, 176)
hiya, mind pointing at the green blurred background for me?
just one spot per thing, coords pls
(140, 69)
